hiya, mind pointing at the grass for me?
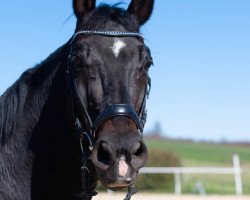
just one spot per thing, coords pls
(202, 153)
(195, 154)
(212, 184)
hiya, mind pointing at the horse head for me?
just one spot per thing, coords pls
(109, 65)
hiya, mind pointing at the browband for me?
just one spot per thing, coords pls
(108, 33)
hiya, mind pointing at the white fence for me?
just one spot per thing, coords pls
(177, 171)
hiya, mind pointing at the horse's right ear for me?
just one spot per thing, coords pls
(83, 7)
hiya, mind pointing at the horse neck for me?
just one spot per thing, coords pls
(54, 145)
(22, 104)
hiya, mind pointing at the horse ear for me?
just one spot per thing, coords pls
(142, 9)
(83, 7)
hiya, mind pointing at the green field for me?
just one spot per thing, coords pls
(197, 154)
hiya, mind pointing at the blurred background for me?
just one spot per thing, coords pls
(198, 110)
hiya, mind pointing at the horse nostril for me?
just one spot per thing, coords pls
(139, 155)
(104, 154)
(138, 149)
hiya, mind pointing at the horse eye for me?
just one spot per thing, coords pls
(148, 64)
(75, 59)
(78, 62)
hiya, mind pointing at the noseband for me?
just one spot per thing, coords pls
(84, 126)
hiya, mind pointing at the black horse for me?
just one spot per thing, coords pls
(78, 116)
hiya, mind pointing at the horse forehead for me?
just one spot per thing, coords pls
(117, 46)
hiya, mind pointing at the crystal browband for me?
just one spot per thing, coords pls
(108, 33)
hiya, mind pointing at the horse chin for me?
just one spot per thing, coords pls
(114, 183)
(116, 186)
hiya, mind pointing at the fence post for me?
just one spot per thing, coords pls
(237, 174)
(177, 180)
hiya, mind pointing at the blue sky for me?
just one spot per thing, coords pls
(201, 51)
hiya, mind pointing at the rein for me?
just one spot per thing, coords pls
(85, 127)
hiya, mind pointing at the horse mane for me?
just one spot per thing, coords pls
(106, 13)
(28, 94)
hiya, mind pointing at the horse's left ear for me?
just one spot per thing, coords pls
(83, 7)
(142, 9)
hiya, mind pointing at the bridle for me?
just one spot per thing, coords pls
(91, 126)
(85, 127)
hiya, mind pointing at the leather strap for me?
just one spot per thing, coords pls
(117, 110)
